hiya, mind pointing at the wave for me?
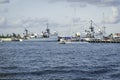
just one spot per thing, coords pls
(14, 67)
(57, 71)
(115, 75)
(74, 73)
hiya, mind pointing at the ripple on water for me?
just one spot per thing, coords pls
(51, 61)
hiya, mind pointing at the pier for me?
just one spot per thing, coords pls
(103, 41)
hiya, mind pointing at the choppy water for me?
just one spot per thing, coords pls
(53, 61)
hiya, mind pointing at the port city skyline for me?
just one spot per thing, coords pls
(62, 15)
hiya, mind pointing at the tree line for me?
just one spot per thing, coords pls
(13, 35)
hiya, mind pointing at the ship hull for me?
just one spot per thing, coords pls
(40, 39)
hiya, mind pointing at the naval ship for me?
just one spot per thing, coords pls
(45, 36)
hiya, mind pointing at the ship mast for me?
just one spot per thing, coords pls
(48, 30)
(92, 29)
(26, 32)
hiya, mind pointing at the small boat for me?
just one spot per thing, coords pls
(20, 40)
(62, 41)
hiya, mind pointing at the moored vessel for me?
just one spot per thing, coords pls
(45, 36)
(62, 41)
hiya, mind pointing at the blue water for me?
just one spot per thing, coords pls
(53, 61)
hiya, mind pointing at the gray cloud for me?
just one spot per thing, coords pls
(113, 4)
(115, 17)
(78, 5)
(53, 1)
(98, 2)
(3, 21)
(4, 1)
(30, 22)
(93, 2)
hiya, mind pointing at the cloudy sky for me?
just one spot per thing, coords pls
(64, 16)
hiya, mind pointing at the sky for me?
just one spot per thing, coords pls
(63, 16)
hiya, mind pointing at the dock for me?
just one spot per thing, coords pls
(104, 41)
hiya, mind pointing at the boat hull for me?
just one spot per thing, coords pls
(43, 39)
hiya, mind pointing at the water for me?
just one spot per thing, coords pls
(53, 61)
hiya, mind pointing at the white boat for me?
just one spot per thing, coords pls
(20, 40)
(44, 37)
(62, 41)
